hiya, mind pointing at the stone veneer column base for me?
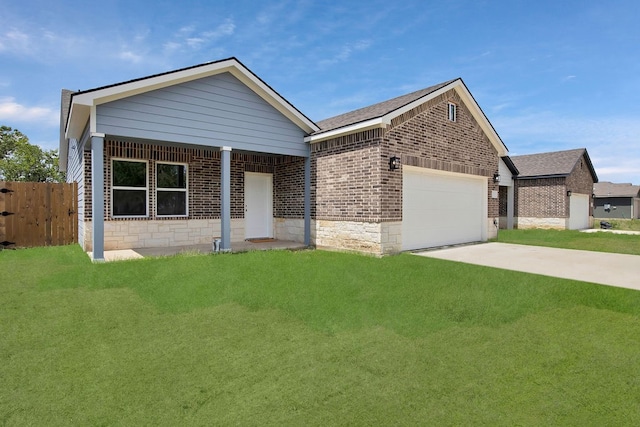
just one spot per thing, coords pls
(161, 233)
(523, 223)
(376, 238)
(292, 229)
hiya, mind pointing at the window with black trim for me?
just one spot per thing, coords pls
(171, 189)
(129, 188)
(452, 110)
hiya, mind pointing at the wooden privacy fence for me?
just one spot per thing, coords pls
(38, 214)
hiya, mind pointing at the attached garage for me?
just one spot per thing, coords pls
(578, 211)
(442, 208)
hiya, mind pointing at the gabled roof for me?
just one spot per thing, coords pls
(81, 103)
(610, 189)
(380, 114)
(554, 164)
(377, 110)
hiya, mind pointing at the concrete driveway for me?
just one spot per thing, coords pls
(595, 267)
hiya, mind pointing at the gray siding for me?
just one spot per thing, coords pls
(620, 207)
(214, 111)
(75, 173)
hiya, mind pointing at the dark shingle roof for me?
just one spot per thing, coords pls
(376, 110)
(610, 189)
(558, 163)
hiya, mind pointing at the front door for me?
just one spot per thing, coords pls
(258, 205)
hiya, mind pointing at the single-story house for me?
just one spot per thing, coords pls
(554, 190)
(612, 200)
(213, 151)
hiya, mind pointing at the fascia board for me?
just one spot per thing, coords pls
(77, 120)
(357, 127)
(109, 94)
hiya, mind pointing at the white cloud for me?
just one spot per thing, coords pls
(346, 51)
(189, 37)
(15, 41)
(13, 112)
(130, 56)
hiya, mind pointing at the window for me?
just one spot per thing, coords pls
(171, 189)
(129, 188)
(451, 108)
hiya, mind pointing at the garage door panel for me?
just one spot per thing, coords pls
(441, 209)
(578, 211)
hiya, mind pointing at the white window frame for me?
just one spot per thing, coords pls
(146, 188)
(184, 190)
(452, 111)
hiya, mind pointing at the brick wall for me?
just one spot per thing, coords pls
(425, 137)
(204, 178)
(351, 177)
(541, 198)
(288, 183)
(581, 181)
(346, 177)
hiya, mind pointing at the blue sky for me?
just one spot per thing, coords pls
(549, 75)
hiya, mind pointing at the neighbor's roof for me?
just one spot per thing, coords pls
(610, 189)
(554, 164)
(380, 115)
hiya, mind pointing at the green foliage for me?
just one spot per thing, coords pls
(22, 161)
(309, 338)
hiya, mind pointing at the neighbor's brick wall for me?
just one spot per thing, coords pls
(204, 178)
(541, 198)
(581, 181)
(425, 137)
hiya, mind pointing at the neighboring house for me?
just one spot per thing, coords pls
(213, 151)
(616, 200)
(554, 190)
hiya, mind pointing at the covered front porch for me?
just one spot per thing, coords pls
(178, 158)
(188, 196)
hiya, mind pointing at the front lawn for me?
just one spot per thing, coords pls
(620, 224)
(573, 239)
(309, 338)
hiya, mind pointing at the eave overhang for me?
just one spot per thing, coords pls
(385, 120)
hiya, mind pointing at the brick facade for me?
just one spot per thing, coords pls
(204, 178)
(203, 166)
(352, 183)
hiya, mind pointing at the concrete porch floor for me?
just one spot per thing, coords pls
(236, 247)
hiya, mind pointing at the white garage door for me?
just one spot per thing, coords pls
(578, 211)
(440, 208)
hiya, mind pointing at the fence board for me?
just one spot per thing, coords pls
(38, 213)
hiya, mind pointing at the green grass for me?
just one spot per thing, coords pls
(621, 224)
(310, 337)
(572, 239)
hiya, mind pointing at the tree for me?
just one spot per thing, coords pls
(22, 161)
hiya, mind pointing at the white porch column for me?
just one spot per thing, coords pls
(225, 198)
(97, 196)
